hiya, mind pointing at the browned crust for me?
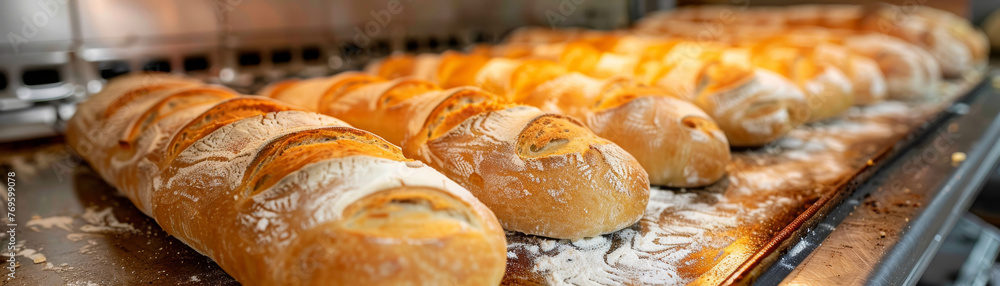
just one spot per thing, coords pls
(427, 223)
(554, 135)
(458, 107)
(375, 219)
(580, 57)
(222, 114)
(617, 200)
(275, 90)
(532, 73)
(293, 151)
(351, 82)
(170, 105)
(456, 69)
(396, 66)
(404, 90)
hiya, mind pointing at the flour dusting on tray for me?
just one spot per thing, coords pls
(703, 235)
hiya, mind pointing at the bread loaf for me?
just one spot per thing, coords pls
(278, 195)
(721, 81)
(670, 64)
(954, 44)
(676, 143)
(868, 83)
(541, 173)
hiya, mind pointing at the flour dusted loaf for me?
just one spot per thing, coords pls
(278, 195)
(951, 41)
(907, 71)
(752, 106)
(676, 143)
(678, 65)
(541, 173)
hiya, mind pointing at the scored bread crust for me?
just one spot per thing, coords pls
(663, 144)
(673, 65)
(951, 41)
(541, 174)
(278, 195)
(909, 72)
(705, 73)
(904, 70)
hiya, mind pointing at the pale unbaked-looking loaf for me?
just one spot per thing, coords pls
(277, 195)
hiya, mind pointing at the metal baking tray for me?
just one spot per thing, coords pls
(873, 238)
(772, 209)
(730, 232)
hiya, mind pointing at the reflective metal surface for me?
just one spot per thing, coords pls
(96, 237)
(35, 26)
(888, 230)
(28, 123)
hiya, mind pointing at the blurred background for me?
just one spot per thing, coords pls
(55, 53)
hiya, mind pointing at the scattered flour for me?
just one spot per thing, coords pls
(648, 256)
(104, 221)
(63, 222)
(683, 228)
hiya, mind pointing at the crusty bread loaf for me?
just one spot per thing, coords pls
(868, 84)
(672, 64)
(827, 88)
(721, 81)
(754, 106)
(542, 174)
(277, 195)
(676, 143)
(908, 71)
(951, 41)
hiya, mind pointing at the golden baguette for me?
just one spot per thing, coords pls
(952, 41)
(676, 143)
(664, 63)
(907, 71)
(278, 195)
(751, 105)
(541, 173)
